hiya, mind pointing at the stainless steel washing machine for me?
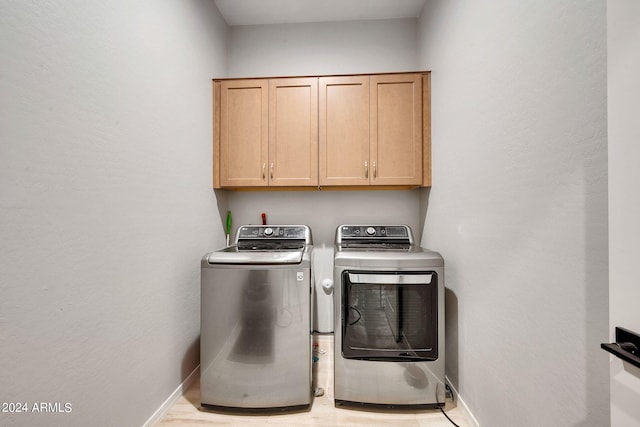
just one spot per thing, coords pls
(255, 345)
(389, 318)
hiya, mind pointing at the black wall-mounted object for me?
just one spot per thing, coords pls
(626, 347)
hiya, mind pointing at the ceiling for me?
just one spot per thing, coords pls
(258, 12)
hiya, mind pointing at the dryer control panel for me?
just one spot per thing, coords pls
(379, 233)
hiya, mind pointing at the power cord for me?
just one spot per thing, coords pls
(448, 390)
(445, 414)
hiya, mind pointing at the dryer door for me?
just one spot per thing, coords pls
(390, 315)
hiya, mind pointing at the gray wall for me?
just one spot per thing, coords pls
(105, 165)
(316, 49)
(106, 207)
(623, 99)
(518, 206)
(322, 48)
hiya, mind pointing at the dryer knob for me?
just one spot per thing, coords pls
(268, 231)
(371, 231)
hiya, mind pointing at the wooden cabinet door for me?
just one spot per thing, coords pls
(243, 133)
(396, 129)
(293, 132)
(344, 130)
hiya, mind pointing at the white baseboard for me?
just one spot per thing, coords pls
(168, 403)
(471, 420)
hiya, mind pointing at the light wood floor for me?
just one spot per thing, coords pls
(186, 411)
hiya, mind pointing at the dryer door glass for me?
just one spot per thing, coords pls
(390, 315)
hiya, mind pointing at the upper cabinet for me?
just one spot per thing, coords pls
(267, 132)
(344, 130)
(395, 147)
(371, 130)
(355, 131)
(293, 132)
(243, 132)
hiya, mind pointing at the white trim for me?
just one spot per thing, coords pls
(471, 420)
(168, 403)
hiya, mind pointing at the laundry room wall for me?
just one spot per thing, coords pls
(348, 47)
(518, 206)
(318, 49)
(623, 100)
(107, 206)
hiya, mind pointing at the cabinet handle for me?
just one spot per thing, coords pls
(366, 169)
(264, 167)
(271, 171)
(375, 170)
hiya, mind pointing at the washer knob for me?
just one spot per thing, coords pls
(268, 231)
(371, 231)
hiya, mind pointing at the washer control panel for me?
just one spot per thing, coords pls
(297, 232)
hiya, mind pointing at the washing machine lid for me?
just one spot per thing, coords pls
(266, 244)
(236, 255)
